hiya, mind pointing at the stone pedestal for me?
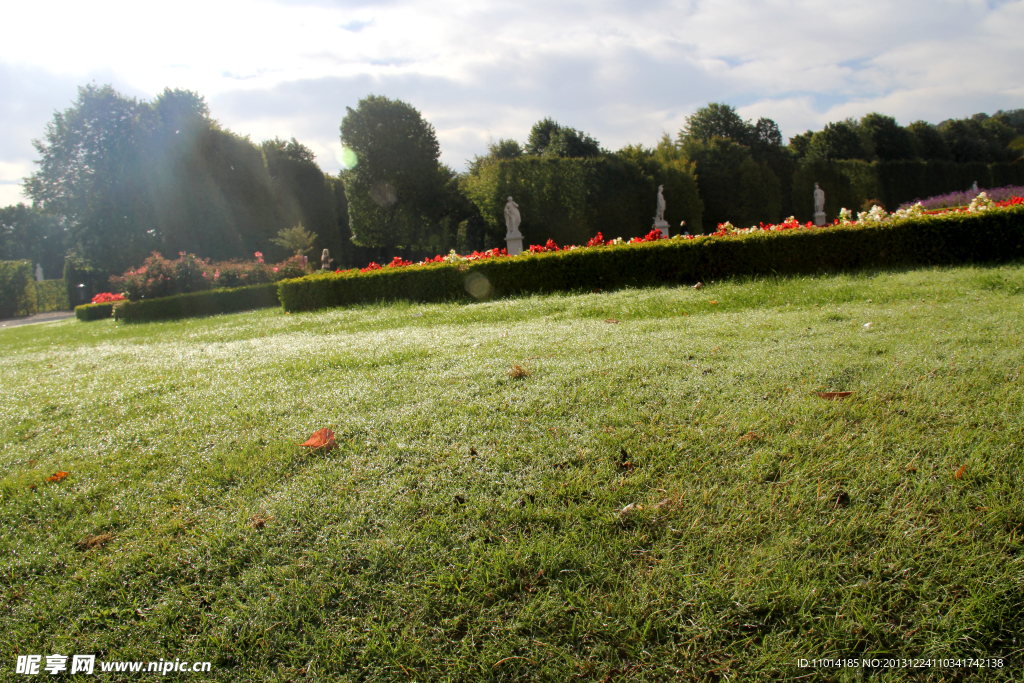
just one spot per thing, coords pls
(819, 218)
(661, 225)
(515, 244)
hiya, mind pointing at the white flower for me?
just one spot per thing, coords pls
(876, 215)
(910, 212)
(452, 257)
(844, 216)
(980, 203)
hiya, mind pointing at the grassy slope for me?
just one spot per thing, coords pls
(790, 526)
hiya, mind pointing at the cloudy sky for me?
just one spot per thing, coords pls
(479, 71)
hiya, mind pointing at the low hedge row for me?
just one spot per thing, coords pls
(88, 312)
(197, 304)
(996, 235)
(51, 295)
(17, 296)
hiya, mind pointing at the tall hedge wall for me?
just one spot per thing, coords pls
(569, 200)
(956, 238)
(17, 295)
(51, 295)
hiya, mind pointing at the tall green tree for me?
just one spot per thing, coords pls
(26, 233)
(395, 187)
(891, 141)
(739, 165)
(549, 138)
(302, 191)
(502, 149)
(92, 173)
(839, 140)
(720, 120)
(928, 141)
(211, 190)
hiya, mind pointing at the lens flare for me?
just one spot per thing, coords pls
(348, 158)
(478, 286)
(383, 194)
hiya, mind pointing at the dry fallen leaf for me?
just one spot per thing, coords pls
(960, 472)
(90, 542)
(713, 303)
(632, 507)
(699, 285)
(611, 321)
(750, 436)
(259, 521)
(833, 394)
(321, 438)
(57, 476)
(518, 371)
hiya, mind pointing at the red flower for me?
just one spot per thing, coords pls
(107, 297)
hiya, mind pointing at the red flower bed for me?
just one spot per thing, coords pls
(107, 298)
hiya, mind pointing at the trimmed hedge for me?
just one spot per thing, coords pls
(17, 294)
(88, 312)
(955, 238)
(51, 296)
(197, 304)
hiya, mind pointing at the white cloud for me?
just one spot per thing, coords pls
(622, 71)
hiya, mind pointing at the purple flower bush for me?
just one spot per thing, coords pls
(952, 199)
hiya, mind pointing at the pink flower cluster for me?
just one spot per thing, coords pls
(159, 276)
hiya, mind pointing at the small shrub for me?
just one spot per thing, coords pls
(89, 312)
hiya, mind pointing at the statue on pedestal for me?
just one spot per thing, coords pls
(819, 205)
(512, 218)
(513, 238)
(659, 217)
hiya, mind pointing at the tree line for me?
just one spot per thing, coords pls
(120, 178)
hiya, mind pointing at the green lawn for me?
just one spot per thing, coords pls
(473, 526)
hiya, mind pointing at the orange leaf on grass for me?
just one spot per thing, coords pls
(57, 476)
(321, 438)
(960, 472)
(833, 394)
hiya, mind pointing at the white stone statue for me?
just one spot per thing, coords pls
(974, 187)
(512, 218)
(660, 215)
(819, 199)
(325, 260)
(39, 272)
